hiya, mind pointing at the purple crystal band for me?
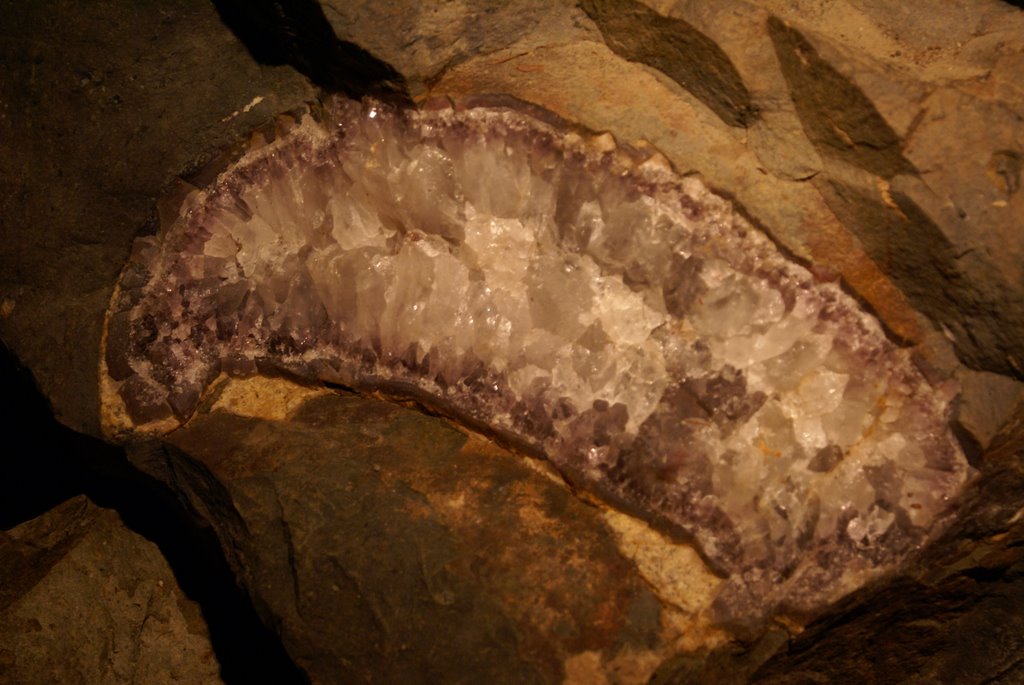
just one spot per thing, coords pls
(548, 286)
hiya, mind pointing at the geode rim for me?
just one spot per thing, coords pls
(572, 296)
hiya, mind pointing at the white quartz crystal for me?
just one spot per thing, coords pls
(552, 289)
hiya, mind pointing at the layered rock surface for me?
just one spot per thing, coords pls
(568, 296)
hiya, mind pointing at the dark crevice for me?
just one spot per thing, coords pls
(675, 48)
(920, 259)
(61, 463)
(838, 118)
(297, 33)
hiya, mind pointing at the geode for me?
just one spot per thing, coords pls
(566, 294)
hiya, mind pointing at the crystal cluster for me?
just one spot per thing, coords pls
(567, 295)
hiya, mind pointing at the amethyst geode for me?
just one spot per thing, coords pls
(569, 296)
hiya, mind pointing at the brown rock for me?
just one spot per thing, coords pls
(84, 600)
(880, 141)
(107, 105)
(387, 546)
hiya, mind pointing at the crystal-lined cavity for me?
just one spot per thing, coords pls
(565, 294)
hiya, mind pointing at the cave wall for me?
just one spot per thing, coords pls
(881, 144)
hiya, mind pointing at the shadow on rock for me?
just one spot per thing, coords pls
(53, 463)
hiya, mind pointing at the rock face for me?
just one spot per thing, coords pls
(877, 144)
(421, 557)
(111, 122)
(58, 568)
(568, 297)
(845, 153)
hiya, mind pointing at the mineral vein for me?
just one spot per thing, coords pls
(562, 292)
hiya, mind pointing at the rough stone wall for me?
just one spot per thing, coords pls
(881, 143)
(85, 600)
